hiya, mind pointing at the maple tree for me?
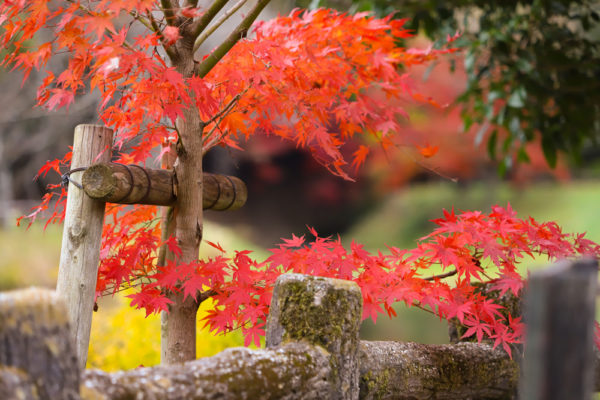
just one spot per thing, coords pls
(315, 78)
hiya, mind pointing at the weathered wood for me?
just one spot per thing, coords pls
(223, 192)
(324, 312)
(128, 184)
(82, 232)
(133, 184)
(38, 358)
(560, 311)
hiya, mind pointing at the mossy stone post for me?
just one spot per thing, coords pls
(324, 312)
(37, 352)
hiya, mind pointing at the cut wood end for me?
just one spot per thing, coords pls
(98, 181)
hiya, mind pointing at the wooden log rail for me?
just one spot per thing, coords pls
(313, 352)
(133, 184)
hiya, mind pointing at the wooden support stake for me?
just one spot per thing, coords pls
(560, 311)
(82, 233)
(133, 184)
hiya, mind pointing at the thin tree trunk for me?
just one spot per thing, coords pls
(180, 327)
(180, 337)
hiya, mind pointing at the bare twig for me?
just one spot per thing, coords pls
(205, 34)
(217, 118)
(238, 33)
(156, 28)
(441, 276)
(227, 108)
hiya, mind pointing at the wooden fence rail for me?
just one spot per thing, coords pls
(313, 352)
(133, 184)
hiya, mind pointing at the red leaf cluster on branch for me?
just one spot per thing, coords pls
(438, 275)
(315, 78)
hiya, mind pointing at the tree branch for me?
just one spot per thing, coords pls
(199, 25)
(156, 28)
(441, 276)
(225, 110)
(238, 33)
(205, 34)
(169, 11)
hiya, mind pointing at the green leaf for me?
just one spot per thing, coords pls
(514, 125)
(494, 95)
(522, 155)
(470, 61)
(517, 98)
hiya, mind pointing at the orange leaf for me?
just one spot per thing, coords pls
(428, 150)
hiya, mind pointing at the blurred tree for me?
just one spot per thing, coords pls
(533, 68)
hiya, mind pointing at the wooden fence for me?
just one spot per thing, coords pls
(313, 352)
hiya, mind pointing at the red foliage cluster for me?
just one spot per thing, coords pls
(465, 248)
(314, 78)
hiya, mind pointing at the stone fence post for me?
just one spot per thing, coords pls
(38, 358)
(325, 312)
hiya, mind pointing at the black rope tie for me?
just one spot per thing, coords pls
(149, 187)
(66, 178)
(234, 193)
(218, 192)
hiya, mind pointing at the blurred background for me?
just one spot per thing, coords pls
(521, 126)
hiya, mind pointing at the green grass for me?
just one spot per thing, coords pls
(29, 257)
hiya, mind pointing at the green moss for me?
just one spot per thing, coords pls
(266, 376)
(455, 371)
(319, 318)
(323, 312)
(375, 384)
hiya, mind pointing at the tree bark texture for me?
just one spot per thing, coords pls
(82, 235)
(133, 184)
(38, 358)
(180, 323)
(303, 361)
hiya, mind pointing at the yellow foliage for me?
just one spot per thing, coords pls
(122, 338)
